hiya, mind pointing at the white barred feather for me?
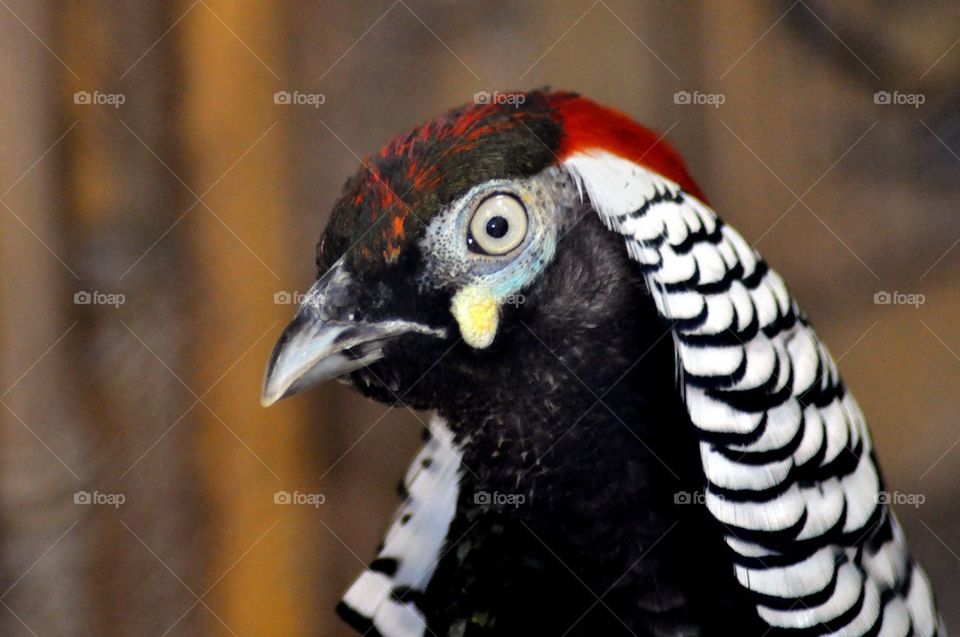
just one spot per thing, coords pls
(380, 597)
(784, 448)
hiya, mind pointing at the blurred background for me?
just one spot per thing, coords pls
(166, 169)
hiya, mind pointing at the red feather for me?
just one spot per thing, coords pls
(590, 126)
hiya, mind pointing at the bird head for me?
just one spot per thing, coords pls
(465, 243)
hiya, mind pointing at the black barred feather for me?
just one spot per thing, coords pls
(785, 450)
(385, 599)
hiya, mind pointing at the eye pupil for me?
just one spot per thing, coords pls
(497, 227)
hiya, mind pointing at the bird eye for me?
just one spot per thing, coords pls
(499, 225)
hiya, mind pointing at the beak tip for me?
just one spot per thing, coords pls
(272, 391)
(267, 401)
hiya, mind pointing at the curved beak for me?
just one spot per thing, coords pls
(323, 341)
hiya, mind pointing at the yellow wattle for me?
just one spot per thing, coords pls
(478, 315)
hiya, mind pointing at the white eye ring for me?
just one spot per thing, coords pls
(498, 225)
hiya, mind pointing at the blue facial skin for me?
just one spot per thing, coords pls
(451, 263)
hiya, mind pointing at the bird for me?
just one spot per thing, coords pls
(633, 430)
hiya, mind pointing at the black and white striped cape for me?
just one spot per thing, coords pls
(382, 601)
(785, 449)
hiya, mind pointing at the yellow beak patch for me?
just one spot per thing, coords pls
(478, 315)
